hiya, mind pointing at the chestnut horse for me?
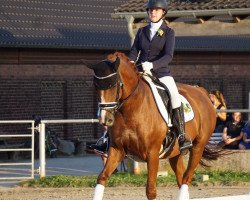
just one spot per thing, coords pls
(137, 128)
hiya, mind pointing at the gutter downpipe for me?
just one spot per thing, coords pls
(130, 20)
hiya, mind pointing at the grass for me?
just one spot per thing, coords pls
(228, 177)
(126, 179)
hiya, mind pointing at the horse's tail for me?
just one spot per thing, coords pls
(211, 153)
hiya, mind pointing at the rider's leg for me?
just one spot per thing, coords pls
(177, 111)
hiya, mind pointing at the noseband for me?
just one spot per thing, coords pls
(113, 107)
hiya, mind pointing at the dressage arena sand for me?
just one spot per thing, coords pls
(116, 193)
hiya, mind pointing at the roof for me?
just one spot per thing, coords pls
(87, 24)
(216, 10)
(136, 6)
(213, 43)
(77, 24)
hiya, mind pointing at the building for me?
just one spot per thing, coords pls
(42, 42)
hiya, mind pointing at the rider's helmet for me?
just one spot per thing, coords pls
(157, 4)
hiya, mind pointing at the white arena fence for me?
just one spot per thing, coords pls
(42, 126)
(15, 148)
(42, 162)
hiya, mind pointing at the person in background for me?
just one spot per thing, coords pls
(245, 144)
(232, 134)
(219, 104)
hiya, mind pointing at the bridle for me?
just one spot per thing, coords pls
(114, 106)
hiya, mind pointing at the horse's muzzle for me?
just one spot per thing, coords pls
(107, 121)
(106, 118)
(106, 113)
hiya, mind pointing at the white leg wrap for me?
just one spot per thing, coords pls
(183, 192)
(99, 190)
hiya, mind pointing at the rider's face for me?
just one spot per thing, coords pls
(155, 14)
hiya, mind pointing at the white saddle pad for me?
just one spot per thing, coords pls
(188, 111)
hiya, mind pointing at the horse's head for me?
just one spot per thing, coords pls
(108, 80)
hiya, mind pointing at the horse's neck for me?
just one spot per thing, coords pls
(138, 97)
(130, 81)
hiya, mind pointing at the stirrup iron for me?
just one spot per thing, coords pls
(185, 144)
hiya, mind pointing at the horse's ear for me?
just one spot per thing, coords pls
(88, 63)
(117, 63)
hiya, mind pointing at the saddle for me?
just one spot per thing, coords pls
(162, 98)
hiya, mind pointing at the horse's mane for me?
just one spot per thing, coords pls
(123, 59)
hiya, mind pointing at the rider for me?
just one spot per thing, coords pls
(153, 49)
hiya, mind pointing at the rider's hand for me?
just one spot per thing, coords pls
(147, 66)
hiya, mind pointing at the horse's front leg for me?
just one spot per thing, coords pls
(115, 156)
(152, 164)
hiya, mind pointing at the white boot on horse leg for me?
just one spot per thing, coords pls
(183, 193)
(99, 190)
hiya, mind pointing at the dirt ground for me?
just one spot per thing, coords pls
(115, 193)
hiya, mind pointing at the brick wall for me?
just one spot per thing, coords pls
(233, 80)
(65, 91)
(50, 98)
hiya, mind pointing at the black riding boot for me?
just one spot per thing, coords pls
(101, 144)
(180, 125)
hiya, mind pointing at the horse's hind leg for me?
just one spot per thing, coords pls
(114, 158)
(194, 159)
(178, 167)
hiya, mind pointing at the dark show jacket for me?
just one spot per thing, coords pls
(159, 50)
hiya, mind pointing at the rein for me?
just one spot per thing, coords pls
(127, 98)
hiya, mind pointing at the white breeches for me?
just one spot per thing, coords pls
(175, 97)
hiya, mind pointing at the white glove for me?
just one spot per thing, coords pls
(147, 66)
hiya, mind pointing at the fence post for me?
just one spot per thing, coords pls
(42, 161)
(32, 148)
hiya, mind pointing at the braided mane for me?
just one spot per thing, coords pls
(123, 59)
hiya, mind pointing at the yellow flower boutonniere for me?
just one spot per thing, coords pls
(160, 32)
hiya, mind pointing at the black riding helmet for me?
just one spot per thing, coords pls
(157, 4)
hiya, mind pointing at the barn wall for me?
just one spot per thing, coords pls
(227, 72)
(51, 84)
(55, 85)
